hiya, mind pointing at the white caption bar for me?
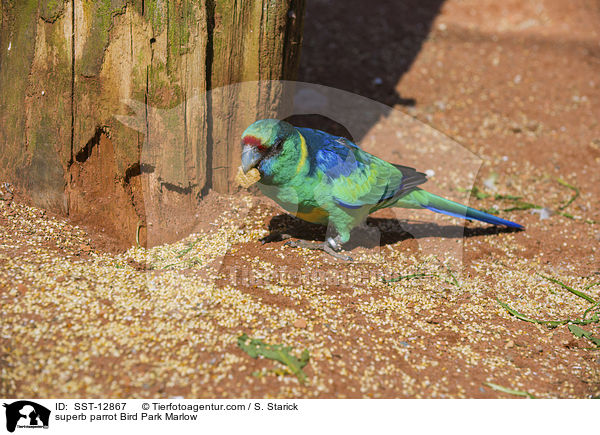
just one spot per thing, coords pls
(150, 416)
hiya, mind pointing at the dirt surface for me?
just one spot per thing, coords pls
(516, 83)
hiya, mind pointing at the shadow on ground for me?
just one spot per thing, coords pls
(367, 52)
(381, 231)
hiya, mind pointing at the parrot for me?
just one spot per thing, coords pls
(329, 180)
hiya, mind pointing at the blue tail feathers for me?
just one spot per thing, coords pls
(445, 206)
(471, 213)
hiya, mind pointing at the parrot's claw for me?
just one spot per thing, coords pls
(337, 255)
(324, 246)
(274, 237)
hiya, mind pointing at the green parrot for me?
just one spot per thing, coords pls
(328, 180)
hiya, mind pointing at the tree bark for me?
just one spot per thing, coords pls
(91, 89)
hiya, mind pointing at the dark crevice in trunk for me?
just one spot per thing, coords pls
(210, 28)
(147, 125)
(72, 81)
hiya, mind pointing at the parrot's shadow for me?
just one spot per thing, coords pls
(381, 231)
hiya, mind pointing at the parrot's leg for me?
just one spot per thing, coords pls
(331, 246)
(275, 236)
(332, 251)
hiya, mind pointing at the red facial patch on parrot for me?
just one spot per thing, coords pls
(253, 141)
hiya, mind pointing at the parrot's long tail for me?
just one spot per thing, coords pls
(420, 198)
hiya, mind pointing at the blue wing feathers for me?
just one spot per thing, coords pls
(329, 154)
(336, 157)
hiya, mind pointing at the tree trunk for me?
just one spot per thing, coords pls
(95, 94)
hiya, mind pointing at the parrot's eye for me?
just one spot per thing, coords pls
(278, 144)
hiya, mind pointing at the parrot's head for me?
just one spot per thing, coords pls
(273, 147)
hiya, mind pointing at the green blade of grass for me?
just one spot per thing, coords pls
(519, 205)
(565, 214)
(585, 313)
(187, 249)
(454, 280)
(411, 276)
(509, 390)
(551, 323)
(507, 197)
(490, 210)
(573, 188)
(594, 319)
(477, 193)
(570, 289)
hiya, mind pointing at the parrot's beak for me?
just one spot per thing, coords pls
(250, 157)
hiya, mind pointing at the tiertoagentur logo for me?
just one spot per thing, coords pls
(25, 414)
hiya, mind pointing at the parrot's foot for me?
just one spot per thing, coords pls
(337, 255)
(330, 246)
(275, 237)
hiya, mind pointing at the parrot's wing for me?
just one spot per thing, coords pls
(358, 178)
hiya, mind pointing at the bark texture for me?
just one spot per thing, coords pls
(95, 94)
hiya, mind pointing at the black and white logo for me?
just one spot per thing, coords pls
(25, 414)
